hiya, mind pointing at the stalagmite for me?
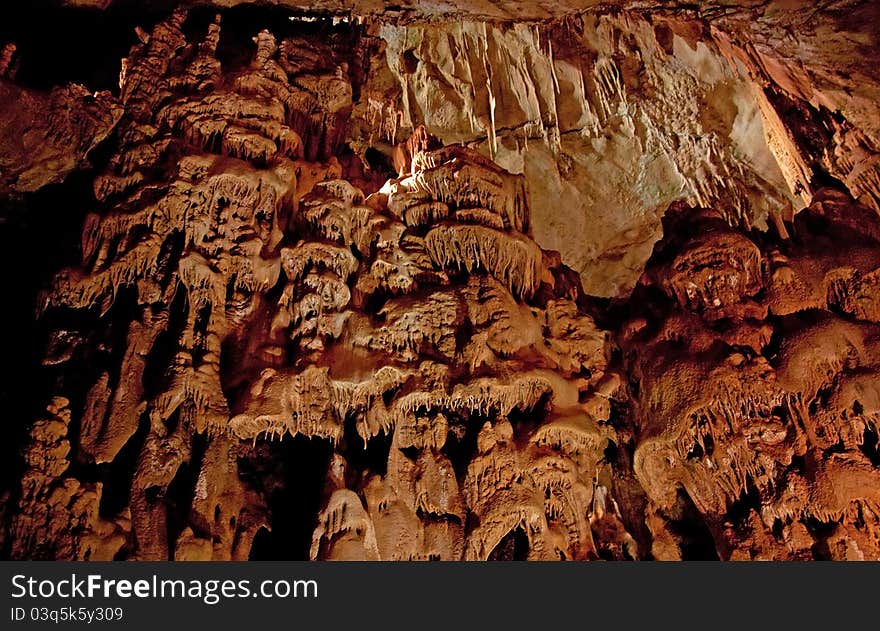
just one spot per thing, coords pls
(552, 282)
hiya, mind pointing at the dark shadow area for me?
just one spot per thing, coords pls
(181, 491)
(39, 234)
(697, 543)
(514, 546)
(59, 45)
(291, 473)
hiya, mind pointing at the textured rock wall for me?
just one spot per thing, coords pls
(611, 118)
(614, 116)
(333, 299)
(259, 295)
(753, 367)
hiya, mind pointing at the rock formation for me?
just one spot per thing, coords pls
(753, 370)
(589, 284)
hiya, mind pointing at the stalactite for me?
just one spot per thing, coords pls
(741, 435)
(261, 338)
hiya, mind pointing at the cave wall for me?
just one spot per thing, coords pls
(383, 287)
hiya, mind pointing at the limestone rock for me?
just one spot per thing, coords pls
(530, 280)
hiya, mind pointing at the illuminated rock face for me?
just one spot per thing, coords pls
(334, 297)
(753, 360)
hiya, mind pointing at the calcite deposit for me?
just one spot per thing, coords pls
(753, 373)
(529, 280)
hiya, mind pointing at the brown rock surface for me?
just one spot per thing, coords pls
(753, 363)
(545, 282)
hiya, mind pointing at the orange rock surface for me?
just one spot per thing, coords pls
(601, 286)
